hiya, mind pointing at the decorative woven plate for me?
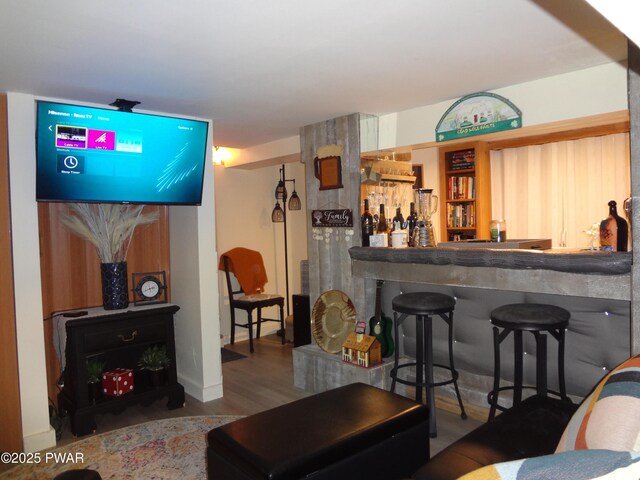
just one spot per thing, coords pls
(334, 317)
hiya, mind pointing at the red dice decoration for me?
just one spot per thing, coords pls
(117, 382)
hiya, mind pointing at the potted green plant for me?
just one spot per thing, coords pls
(94, 379)
(156, 361)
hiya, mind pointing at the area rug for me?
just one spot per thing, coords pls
(174, 448)
(229, 355)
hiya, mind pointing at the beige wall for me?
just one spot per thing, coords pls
(577, 94)
(244, 202)
(37, 433)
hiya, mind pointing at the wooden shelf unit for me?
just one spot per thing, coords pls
(465, 185)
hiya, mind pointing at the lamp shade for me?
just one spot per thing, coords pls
(281, 191)
(294, 202)
(277, 216)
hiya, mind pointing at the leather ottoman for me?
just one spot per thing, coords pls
(356, 432)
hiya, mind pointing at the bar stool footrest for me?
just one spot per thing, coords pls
(454, 376)
(491, 394)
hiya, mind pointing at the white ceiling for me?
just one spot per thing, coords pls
(261, 69)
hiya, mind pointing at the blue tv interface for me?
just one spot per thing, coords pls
(87, 154)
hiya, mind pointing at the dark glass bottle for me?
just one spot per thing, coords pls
(412, 219)
(366, 223)
(398, 219)
(382, 221)
(614, 231)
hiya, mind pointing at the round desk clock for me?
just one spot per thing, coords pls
(149, 287)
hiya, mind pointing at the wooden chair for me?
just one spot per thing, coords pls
(249, 303)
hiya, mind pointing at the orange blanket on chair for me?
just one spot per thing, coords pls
(248, 267)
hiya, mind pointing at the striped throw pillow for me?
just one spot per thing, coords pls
(609, 418)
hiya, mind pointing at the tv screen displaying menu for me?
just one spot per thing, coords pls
(88, 154)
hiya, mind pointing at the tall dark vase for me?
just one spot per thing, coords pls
(115, 285)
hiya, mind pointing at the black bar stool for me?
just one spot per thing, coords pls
(424, 305)
(537, 319)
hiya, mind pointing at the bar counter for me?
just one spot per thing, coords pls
(593, 286)
(581, 273)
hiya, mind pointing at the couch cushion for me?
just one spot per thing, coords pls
(608, 418)
(572, 465)
(530, 428)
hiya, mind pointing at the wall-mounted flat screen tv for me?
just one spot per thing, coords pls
(87, 154)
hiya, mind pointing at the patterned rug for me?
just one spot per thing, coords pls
(162, 449)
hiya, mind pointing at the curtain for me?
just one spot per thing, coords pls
(559, 190)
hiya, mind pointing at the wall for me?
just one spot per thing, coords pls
(191, 222)
(195, 288)
(329, 247)
(245, 200)
(10, 418)
(37, 433)
(577, 94)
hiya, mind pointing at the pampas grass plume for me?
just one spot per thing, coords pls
(108, 227)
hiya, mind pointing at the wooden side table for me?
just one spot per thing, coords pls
(117, 339)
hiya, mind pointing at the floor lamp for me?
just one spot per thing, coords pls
(279, 215)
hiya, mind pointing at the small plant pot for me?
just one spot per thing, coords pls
(95, 392)
(158, 377)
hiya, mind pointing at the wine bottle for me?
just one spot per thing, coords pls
(382, 221)
(398, 220)
(614, 231)
(366, 223)
(412, 219)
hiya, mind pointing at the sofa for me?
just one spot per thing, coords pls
(546, 438)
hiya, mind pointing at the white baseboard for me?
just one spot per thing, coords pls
(200, 392)
(39, 441)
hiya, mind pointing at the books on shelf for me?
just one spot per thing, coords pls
(462, 160)
(461, 188)
(461, 215)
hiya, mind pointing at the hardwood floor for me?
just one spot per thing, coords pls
(259, 382)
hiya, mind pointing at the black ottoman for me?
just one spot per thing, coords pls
(356, 432)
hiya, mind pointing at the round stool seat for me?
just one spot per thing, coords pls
(423, 303)
(530, 316)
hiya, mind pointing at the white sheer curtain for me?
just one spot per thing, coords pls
(558, 190)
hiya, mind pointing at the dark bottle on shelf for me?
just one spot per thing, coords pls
(382, 221)
(412, 219)
(614, 231)
(398, 220)
(366, 223)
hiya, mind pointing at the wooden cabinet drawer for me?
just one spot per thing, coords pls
(124, 334)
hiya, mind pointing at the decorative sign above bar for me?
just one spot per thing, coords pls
(478, 114)
(332, 218)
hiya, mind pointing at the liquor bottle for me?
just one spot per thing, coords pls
(398, 220)
(614, 231)
(382, 221)
(366, 223)
(412, 219)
